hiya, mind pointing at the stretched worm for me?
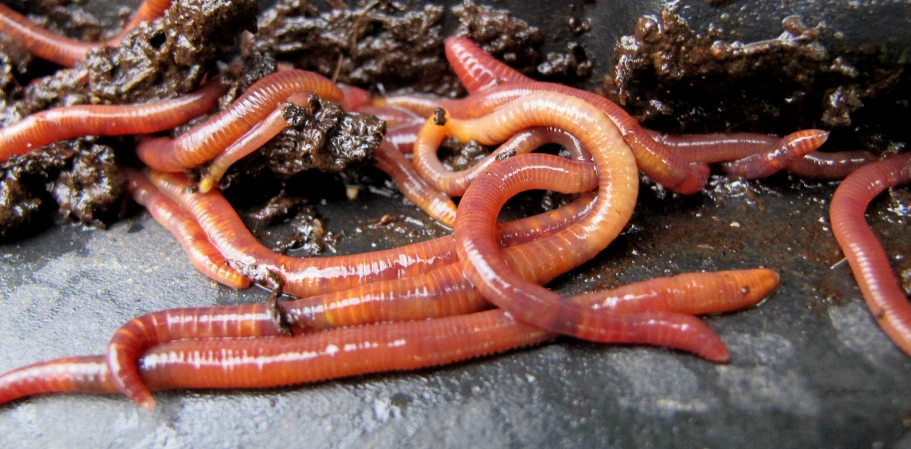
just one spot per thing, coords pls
(710, 148)
(68, 122)
(617, 191)
(205, 257)
(210, 138)
(272, 362)
(865, 254)
(440, 292)
(790, 149)
(402, 138)
(63, 50)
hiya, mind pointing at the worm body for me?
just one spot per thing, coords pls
(477, 69)
(210, 138)
(271, 362)
(880, 289)
(205, 257)
(68, 122)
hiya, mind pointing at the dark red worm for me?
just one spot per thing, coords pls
(62, 50)
(653, 159)
(441, 292)
(455, 183)
(477, 69)
(207, 140)
(388, 159)
(272, 362)
(394, 117)
(68, 122)
(403, 138)
(789, 150)
(711, 148)
(617, 191)
(412, 186)
(865, 254)
(205, 257)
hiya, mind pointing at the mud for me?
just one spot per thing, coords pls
(679, 79)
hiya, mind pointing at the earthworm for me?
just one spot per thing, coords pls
(258, 135)
(63, 50)
(208, 139)
(455, 183)
(718, 147)
(393, 116)
(429, 199)
(388, 159)
(392, 347)
(440, 292)
(402, 138)
(653, 159)
(865, 254)
(205, 257)
(68, 122)
(477, 69)
(790, 149)
(617, 190)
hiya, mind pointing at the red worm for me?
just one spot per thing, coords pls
(441, 292)
(455, 183)
(432, 201)
(271, 362)
(208, 139)
(62, 50)
(864, 252)
(617, 191)
(205, 257)
(655, 160)
(790, 149)
(709, 148)
(404, 137)
(394, 116)
(68, 122)
(476, 69)
(388, 159)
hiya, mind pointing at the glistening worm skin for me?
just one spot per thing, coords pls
(789, 150)
(208, 139)
(617, 191)
(205, 257)
(710, 148)
(432, 201)
(271, 362)
(62, 50)
(68, 122)
(441, 292)
(455, 183)
(865, 254)
(388, 159)
(656, 161)
(302, 277)
(475, 68)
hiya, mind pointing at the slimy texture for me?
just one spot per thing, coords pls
(865, 254)
(68, 122)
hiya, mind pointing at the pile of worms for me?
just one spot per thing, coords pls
(476, 292)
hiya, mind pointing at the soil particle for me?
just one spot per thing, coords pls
(81, 177)
(302, 230)
(166, 58)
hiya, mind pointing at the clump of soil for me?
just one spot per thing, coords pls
(80, 177)
(384, 43)
(322, 136)
(168, 57)
(680, 80)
